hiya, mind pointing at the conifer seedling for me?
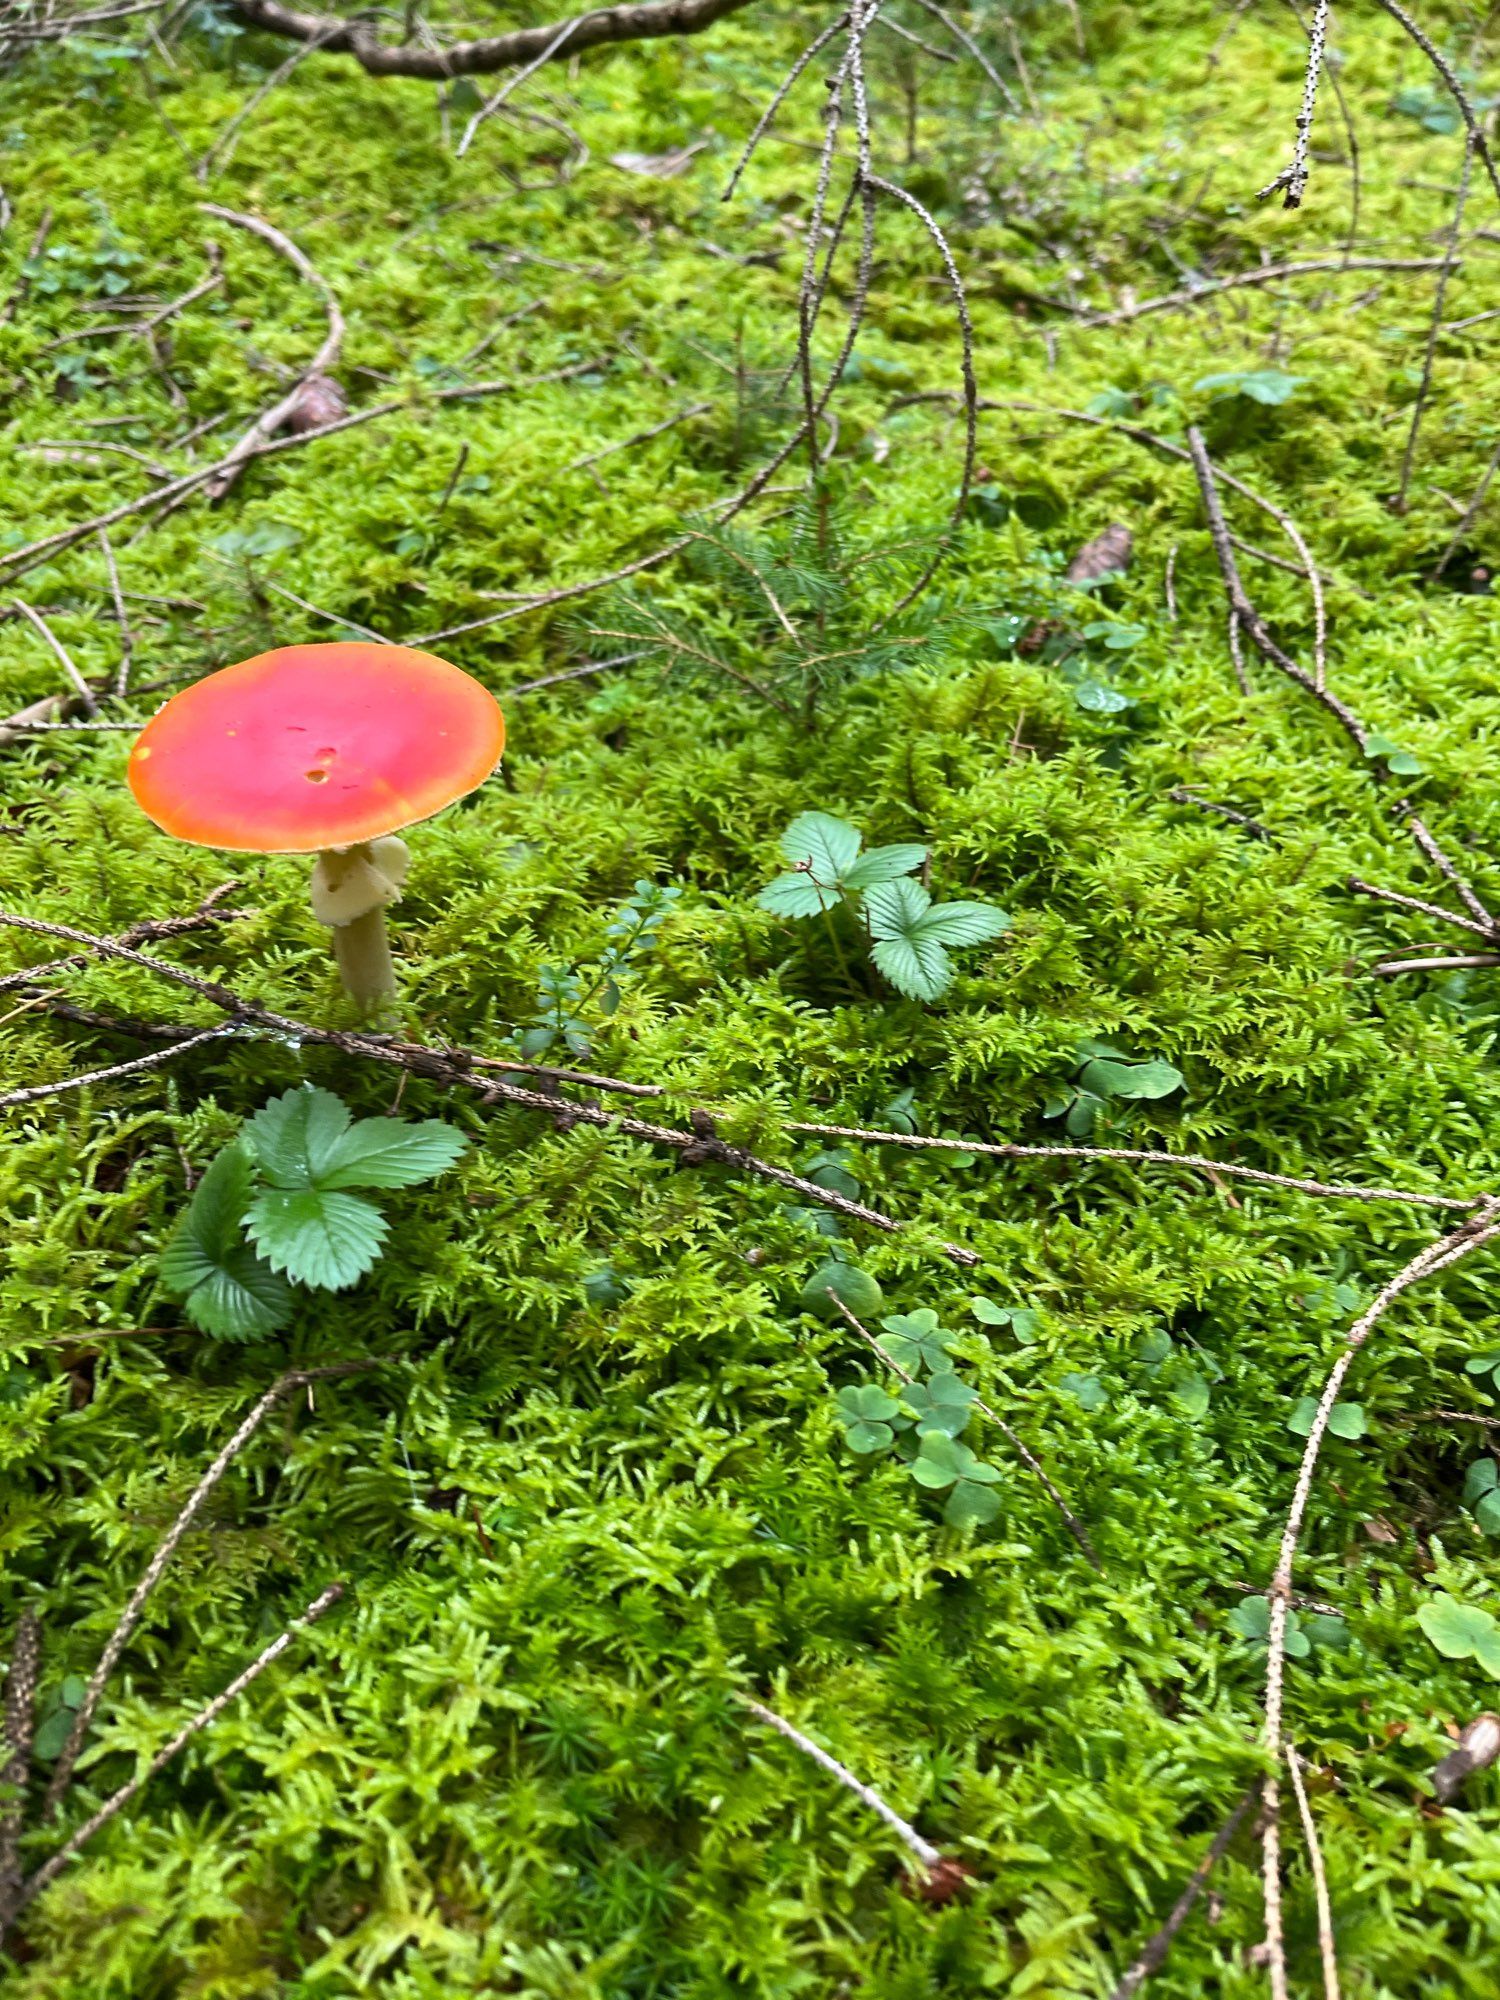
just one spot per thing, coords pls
(328, 750)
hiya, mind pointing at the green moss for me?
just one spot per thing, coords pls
(571, 1520)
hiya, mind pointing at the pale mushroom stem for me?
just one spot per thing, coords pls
(363, 951)
(351, 887)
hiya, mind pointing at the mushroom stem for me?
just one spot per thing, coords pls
(363, 951)
(350, 889)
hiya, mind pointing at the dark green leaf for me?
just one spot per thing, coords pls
(316, 1237)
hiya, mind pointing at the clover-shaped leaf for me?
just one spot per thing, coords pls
(1462, 1631)
(942, 1403)
(915, 1339)
(1252, 1620)
(870, 1417)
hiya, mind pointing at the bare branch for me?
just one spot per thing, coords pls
(1326, 1947)
(1294, 177)
(270, 421)
(20, 1702)
(1479, 1229)
(130, 1617)
(29, 1093)
(627, 23)
(84, 691)
(926, 1853)
(52, 1868)
(1153, 1956)
(1341, 1190)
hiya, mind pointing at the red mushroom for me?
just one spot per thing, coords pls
(326, 750)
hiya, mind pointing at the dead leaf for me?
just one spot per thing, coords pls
(1103, 556)
(320, 401)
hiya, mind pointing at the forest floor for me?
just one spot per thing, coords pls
(601, 1482)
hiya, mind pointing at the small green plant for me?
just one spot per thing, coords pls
(1102, 1077)
(274, 1211)
(1025, 1322)
(564, 992)
(908, 935)
(1482, 1495)
(1486, 1364)
(923, 1423)
(1462, 1631)
(1269, 386)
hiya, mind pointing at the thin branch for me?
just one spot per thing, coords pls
(20, 1703)
(1327, 1950)
(270, 421)
(52, 1868)
(926, 1853)
(1294, 177)
(1388, 968)
(221, 152)
(1455, 89)
(1469, 515)
(31, 1092)
(783, 91)
(1363, 888)
(127, 640)
(640, 437)
(1022, 1450)
(1479, 1229)
(696, 1147)
(491, 105)
(1153, 1955)
(84, 691)
(962, 36)
(1196, 1162)
(1429, 353)
(1263, 274)
(625, 23)
(130, 1617)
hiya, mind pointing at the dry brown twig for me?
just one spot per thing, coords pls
(1264, 274)
(1153, 1954)
(130, 1617)
(1429, 352)
(50, 1869)
(1293, 178)
(1191, 1162)
(1480, 1228)
(929, 1856)
(20, 1703)
(326, 359)
(695, 1147)
(1327, 1950)
(60, 652)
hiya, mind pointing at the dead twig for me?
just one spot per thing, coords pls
(1194, 1162)
(1363, 888)
(1470, 1235)
(930, 1857)
(29, 1093)
(1429, 352)
(1327, 1950)
(1263, 274)
(81, 687)
(270, 421)
(1294, 177)
(1452, 84)
(127, 640)
(50, 1869)
(696, 1147)
(640, 437)
(20, 1702)
(1153, 1955)
(1477, 1748)
(297, 1378)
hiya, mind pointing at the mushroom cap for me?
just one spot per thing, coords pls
(312, 747)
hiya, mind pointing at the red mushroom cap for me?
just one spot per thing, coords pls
(312, 747)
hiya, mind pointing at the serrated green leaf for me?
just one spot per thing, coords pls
(317, 1237)
(797, 896)
(389, 1153)
(919, 968)
(964, 923)
(243, 1299)
(884, 864)
(295, 1136)
(825, 846)
(212, 1224)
